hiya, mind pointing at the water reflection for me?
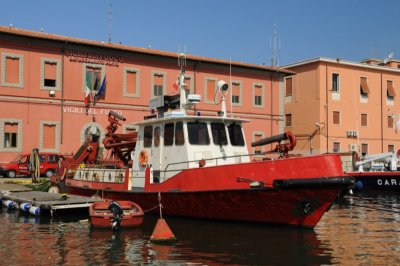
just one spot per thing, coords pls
(363, 229)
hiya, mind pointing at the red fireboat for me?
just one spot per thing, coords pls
(202, 168)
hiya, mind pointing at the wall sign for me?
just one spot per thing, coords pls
(94, 58)
(82, 110)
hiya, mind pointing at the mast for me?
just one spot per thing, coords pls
(181, 83)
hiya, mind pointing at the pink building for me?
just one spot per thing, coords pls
(44, 79)
(335, 105)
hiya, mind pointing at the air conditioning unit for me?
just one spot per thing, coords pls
(355, 133)
(349, 133)
(353, 147)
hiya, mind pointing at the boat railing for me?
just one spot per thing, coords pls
(256, 157)
(97, 173)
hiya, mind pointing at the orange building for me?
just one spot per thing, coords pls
(334, 105)
(44, 79)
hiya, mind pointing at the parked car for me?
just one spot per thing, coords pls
(19, 166)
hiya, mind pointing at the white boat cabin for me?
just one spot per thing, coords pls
(172, 141)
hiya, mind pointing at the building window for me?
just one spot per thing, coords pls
(93, 75)
(288, 86)
(50, 70)
(256, 137)
(390, 121)
(336, 146)
(10, 135)
(236, 93)
(259, 95)
(210, 89)
(12, 70)
(336, 117)
(49, 136)
(364, 120)
(131, 84)
(158, 85)
(390, 90)
(364, 89)
(335, 82)
(189, 84)
(390, 148)
(288, 120)
(364, 149)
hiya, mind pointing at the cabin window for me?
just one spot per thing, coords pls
(148, 136)
(236, 135)
(156, 136)
(169, 134)
(219, 134)
(198, 134)
(179, 137)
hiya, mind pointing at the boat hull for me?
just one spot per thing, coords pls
(101, 216)
(377, 181)
(294, 191)
(295, 206)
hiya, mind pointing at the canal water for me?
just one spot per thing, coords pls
(358, 230)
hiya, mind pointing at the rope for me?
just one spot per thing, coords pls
(157, 206)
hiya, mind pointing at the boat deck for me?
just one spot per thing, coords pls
(43, 200)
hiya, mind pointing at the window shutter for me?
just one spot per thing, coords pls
(364, 85)
(210, 90)
(50, 70)
(390, 88)
(131, 82)
(49, 136)
(12, 70)
(11, 128)
(289, 87)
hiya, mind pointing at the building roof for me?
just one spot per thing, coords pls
(342, 62)
(59, 38)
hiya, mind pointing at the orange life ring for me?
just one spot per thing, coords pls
(143, 158)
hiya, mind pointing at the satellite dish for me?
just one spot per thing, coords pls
(388, 58)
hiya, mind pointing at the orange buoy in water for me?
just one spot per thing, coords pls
(162, 234)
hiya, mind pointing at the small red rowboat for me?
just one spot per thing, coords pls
(115, 214)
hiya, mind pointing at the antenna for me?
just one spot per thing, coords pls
(388, 58)
(275, 46)
(110, 23)
(181, 79)
(182, 58)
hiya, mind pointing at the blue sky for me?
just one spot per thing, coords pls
(225, 29)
